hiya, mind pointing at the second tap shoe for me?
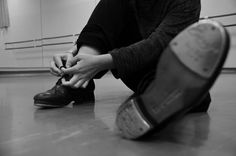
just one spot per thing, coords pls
(60, 96)
(185, 73)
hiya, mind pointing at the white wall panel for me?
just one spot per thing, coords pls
(63, 17)
(25, 24)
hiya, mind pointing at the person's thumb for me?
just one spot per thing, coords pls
(70, 62)
(80, 57)
(70, 70)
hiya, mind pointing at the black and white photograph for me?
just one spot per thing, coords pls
(117, 78)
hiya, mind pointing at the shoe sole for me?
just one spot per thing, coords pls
(44, 104)
(187, 69)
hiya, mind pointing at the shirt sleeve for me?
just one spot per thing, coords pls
(144, 55)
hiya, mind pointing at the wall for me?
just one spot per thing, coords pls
(25, 24)
(68, 16)
(36, 19)
(219, 7)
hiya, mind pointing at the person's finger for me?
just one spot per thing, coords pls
(71, 70)
(54, 69)
(63, 81)
(70, 61)
(74, 69)
(58, 61)
(53, 73)
(79, 83)
(71, 82)
(85, 84)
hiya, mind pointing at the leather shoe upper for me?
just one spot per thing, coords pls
(60, 95)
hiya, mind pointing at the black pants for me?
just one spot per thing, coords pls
(113, 24)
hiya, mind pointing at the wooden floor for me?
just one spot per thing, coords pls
(88, 130)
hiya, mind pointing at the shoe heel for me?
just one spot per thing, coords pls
(131, 122)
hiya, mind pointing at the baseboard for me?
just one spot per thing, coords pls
(9, 70)
(25, 71)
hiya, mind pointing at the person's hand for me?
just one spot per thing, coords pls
(86, 67)
(59, 61)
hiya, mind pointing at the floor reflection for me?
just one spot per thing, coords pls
(192, 130)
(65, 117)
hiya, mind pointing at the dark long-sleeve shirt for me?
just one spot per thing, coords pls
(159, 21)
